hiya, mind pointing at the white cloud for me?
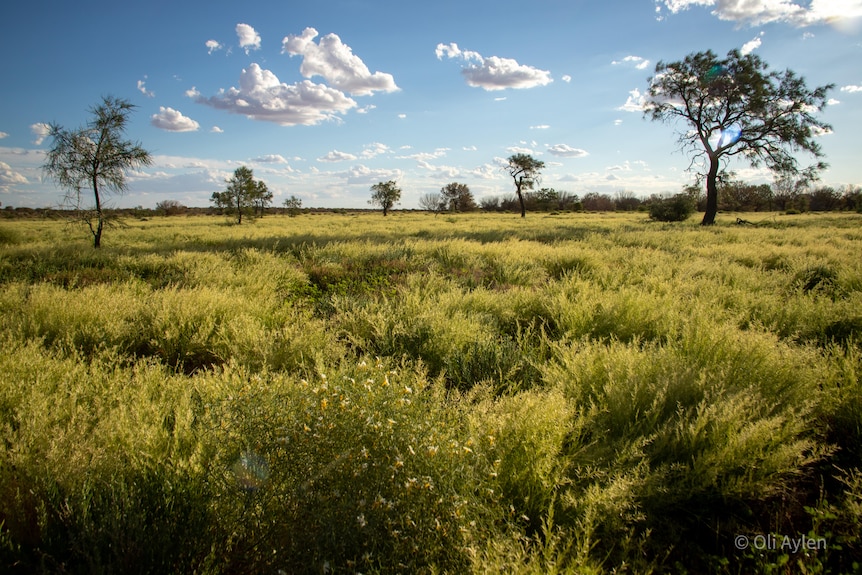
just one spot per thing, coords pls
(759, 12)
(617, 122)
(832, 102)
(565, 151)
(361, 174)
(637, 61)
(519, 150)
(365, 109)
(8, 176)
(142, 88)
(635, 102)
(3, 135)
(494, 73)
(402, 116)
(212, 46)
(540, 127)
(261, 96)
(336, 156)
(374, 149)
(216, 130)
(425, 156)
(336, 63)
(271, 159)
(173, 121)
(248, 38)
(851, 89)
(566, 78)
(751, 45)
(41, 131)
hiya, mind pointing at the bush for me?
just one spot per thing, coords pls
(675, 209)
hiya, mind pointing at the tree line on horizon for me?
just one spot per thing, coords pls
(730, 107)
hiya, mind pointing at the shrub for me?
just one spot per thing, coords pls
(674, 209)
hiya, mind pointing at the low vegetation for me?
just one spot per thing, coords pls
(476, 393)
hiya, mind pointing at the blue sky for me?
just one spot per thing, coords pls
(324, 99)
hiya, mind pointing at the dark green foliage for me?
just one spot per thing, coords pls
(674, 209)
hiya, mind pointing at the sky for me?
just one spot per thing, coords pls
(324, 99)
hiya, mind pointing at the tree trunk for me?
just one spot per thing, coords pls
(521, 197)
(97, 235)
(711, 193)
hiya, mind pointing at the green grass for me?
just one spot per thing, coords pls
(572, 393)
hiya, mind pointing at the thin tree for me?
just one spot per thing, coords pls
(525, 171)
(262, 197)
(293, 205)
(733, 107)
(385, 195)
(432, 202)
(97, 157)
(240, 195)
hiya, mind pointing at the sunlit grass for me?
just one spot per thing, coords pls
(582, 393)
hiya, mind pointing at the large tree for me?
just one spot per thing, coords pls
(733, 106)
(458, 197)
(385, 195)
(525, 171)
(95, 156)
(242, 195)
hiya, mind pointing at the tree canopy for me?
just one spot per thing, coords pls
(243, 194)
(525, 171)
(385, 195)
(734, 106)
(97, 157)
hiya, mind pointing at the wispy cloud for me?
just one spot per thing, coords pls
(336, 156)
(493, 72)
(759, 12)
(212, 46)
(751, 45)
(636, 61)
(566, 151)
(142, 88)
(336, 63)
(41, 131)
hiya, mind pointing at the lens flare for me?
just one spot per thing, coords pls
(730, 135)
(251, 470)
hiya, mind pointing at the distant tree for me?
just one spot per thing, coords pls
(626, 200)
(458, 197)
(824, 199)
(525, 171)
(733, 107)
(738, 196)
(491, 204)
(95, 156)
(262, 197)
(169, 207)
(595, 202)
(241, 195)
(293, 205)
(432, 202)
(385, 195)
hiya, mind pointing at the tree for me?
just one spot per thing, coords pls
(170, 207)
(95, 156)
(458, 197)
(385, 195)
(524, 170)
(262, 197)
(293, 205)
(241, 195)
(734, 107)
(432, 202)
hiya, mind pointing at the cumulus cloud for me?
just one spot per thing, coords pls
(8, 176)
(636, 61)
(3, 135)
(41, 131)
(566, 78)
(751, 45)
(173, 121)
(335, 62)
(494, 73)
(851, 89)
(216, 130)
(635, 102)
(261, 96)
(565, 151)
(374, 149)
(248, 38)
(759, 12)
(336, 156)
(212, 46)
(361, 174)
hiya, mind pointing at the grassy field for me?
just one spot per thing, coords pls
(574, 393)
